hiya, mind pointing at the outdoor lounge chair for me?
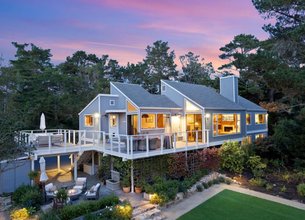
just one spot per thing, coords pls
(81, 183)
(94, 192)
(50, 189)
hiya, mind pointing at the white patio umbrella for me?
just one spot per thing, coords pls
(43, 174)
(42, 122)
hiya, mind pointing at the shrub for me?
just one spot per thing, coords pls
(212, 159)
(301, 189)
(221, 179)
(83, 208)
(33, 174)
(205, 185)
(257, 182)
(256, 165)
(122, 211)
(28, 196)
(199, 188)
(157, 199)
(48, 216)
(283, 189)
(210, 183)
(215, 181)
(269, 186)
(20, 214)
(232, 157)
(228, 181)
(62, 194)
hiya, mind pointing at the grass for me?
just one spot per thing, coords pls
(229, 205)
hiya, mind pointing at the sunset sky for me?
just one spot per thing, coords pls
(123, 28)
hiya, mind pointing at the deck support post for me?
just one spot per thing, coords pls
(32, 168)
(75, 166)
(58, 163)
(71, 160)
(131, 177)
(92, 162)
(99, 159)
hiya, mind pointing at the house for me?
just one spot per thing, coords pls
(131, 123)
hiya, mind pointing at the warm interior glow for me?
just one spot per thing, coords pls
(190, 107)
(113, 120)
(193, 124)
(88, 120)
(259, 136)
(260, 118)
(131, 107)
(248, 119)
(176, 123)
(224, 124)
(148, 121)
(161, 120)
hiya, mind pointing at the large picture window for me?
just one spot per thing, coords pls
(88, 120)
(260, 118)
(225, 124)
(148, 121)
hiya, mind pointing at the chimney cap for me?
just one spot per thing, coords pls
(223, 77)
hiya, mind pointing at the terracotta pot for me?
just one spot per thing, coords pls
(126, 189)
(138, 189)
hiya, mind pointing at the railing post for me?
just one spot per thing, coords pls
(208, 142)
(65, 138)
(131, 146)
(69, 136)
(147, 145)
(186, 141)
(162, 140)
(93, 137)
(127, 142)
(111, 144)
(119, 145)
(175, 142)
(104, 139)
(49, 141)
(84, 137)
(99, 138)
(74, 136)
(196, 139)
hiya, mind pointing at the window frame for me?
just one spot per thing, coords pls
(156, 119)
(111, 102)
(250, 119)
(265, 118)
(216, 134)
(92, 116)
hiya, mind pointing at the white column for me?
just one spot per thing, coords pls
(32, 168)
(92, 164)
(131, 177)
(75, 166)
(58, 163)
(71, 160)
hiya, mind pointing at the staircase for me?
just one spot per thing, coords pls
(83, 157)
(148, 212)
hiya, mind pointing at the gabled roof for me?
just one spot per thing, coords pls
(204, 96)
(142, 98)
(251, 106)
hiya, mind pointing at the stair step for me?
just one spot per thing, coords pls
(143, 208)
(150, 214)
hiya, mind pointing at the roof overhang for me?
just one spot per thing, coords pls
(115, 111)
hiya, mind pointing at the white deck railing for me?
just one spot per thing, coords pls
(126, 146)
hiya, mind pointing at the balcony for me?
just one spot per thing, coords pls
(64, 141)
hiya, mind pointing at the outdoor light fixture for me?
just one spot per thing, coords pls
(207, 115)
(105, 155)
(96, 115)
(124, 159)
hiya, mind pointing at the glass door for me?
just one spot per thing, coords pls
(193, 124)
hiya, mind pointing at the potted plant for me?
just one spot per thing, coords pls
(139, 185)
(33, 175)
(126, 184)
(61, 198)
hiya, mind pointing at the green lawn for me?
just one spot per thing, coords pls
(229, 205)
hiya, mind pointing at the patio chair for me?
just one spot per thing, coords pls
(42, 141)
(56, 138)
(80, 183)
(50, 189)
(94, 192)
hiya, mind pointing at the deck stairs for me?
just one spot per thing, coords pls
(147, 211)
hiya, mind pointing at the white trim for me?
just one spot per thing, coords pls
(182, 94)
(116, 111)
(106, 95)
(234, 100)
(99, 111)
(159, 108)
(257, 131)
(223, 77)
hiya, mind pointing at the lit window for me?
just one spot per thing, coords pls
(224, 124)
(113, 121)
(248, 119)
(161, 120)
(259, 136)
(260, 118)
(148, 121)
(249, 139)
(88, 120)
(112, 102)
(131, 107)
(190, 107)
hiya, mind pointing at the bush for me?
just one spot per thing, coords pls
(232, 157)
(257, 182)
(269, 186)
(212, 159)
(210, 183)
(205, 185)
(122, 211)
(20, 214)
(256, 165)
(301, 189)
(28, 196)
(283, 189)
(228, 181)
(215, 181)
(48, 216)
(221, 179)
(83, 208)
(199, 188)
